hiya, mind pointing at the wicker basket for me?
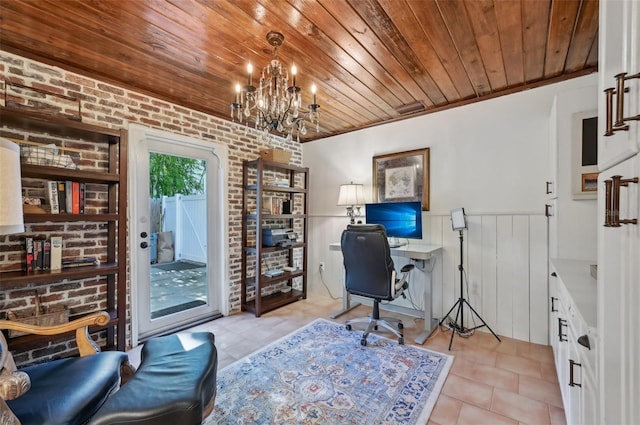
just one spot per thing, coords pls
(276, 155)
(39, 316)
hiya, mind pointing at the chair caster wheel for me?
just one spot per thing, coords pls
(363, 342)
(400, 326)
(401, 341)
(348, 327)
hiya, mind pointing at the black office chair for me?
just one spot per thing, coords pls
(370, 273)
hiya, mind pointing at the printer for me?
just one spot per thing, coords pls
(279, 237)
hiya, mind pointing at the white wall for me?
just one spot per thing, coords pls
(490, 157)
(576, 218)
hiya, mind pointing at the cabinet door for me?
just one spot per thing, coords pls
(550, 184)
(619, 51)
(589, 402)
(573, 381)
(554, 306)
(618, 300)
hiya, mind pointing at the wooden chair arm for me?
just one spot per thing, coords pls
(86, 345)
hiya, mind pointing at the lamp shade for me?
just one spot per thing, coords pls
(11, 219)
(351, 194)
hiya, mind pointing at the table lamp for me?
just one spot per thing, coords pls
(11, 218)
(352, 196)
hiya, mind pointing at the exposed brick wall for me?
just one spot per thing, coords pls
(110, 106)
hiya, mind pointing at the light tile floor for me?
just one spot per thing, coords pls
(490, 382)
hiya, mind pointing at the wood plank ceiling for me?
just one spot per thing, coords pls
(372, 60)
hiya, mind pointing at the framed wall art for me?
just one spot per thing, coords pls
(402, 177)
(584, 155)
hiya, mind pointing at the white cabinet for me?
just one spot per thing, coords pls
(574, 339)
(619, 297)
(619, 52)
(618, 372)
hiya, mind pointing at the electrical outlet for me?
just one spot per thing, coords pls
(322, 266)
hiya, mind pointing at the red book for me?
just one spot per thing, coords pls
(75, 198)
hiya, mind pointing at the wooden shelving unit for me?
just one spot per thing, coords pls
(115, 180)
(271, 293)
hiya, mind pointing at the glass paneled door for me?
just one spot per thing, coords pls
(175, 227)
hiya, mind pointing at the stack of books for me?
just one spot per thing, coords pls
(46, 254)
(66, 197)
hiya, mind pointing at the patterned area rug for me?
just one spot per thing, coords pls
(320, 374)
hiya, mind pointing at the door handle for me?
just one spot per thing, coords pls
(547, 210)
(553, 306)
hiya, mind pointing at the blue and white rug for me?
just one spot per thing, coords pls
(320, 374)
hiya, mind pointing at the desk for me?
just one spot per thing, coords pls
(431, 257)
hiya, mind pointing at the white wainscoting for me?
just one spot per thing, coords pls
(505, 260)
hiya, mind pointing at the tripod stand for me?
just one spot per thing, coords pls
(460, 304)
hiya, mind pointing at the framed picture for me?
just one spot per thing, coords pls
(584, 154)
(402, 177)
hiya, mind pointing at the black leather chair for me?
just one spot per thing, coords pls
(370, 273)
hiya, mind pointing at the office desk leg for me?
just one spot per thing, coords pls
(420, 339)
(346, 305)
(430, 323)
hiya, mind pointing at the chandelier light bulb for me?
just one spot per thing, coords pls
(250, 72)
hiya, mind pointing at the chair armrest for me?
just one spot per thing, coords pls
(86, 345)
(407, 268)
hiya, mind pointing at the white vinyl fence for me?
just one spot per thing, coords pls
(186, 218)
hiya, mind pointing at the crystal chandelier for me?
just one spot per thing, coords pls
(275, 105)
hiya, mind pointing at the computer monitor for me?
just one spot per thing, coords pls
(400, 219)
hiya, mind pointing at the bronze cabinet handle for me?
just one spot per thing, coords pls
(619, 91)
(612, 201)
(553, 306)
(608, 184)
(609, 111)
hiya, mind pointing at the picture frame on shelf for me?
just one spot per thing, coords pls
(584, 155)
(402, 177)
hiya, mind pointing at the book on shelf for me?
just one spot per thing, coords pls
(52, 196)
(62, 197)
(46, 254)
(56, 253)
(37, 254)
(75, 198)
(83, 188)
(68, 197)
(28, 244)
(80, 262)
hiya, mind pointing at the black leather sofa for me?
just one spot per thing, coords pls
(174, 384)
